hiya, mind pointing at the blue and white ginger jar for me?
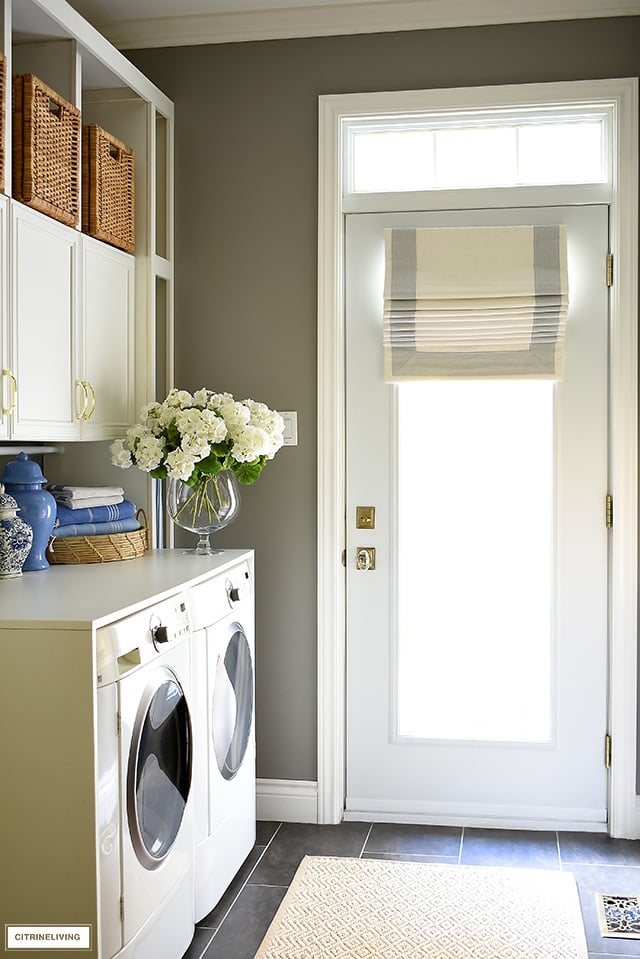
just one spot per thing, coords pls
(16, 537)
(23, 479)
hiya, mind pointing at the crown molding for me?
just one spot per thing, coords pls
(333, 19)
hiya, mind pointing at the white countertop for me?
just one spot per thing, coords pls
(98, 593)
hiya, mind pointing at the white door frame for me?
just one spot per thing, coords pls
(334, 111)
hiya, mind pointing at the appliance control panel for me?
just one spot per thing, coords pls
(211, 601)
(135, 640)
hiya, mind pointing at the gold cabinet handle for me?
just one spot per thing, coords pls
(92, 400)
(82, 415)
(14, 392)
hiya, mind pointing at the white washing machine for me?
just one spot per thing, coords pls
(145, 763)
(223, 645)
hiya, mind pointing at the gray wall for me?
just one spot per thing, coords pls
(246, 244)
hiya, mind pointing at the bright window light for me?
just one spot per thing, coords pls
(393, 161)
(491, 154)
(561, 153)
(475, 560)
(476, 157)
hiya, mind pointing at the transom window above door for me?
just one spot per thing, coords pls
(477, 150)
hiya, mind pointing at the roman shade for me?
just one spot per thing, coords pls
(475, 302)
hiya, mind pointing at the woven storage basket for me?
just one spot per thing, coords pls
(3, 86)
(46, 150)
(108, 188)
(74, 550)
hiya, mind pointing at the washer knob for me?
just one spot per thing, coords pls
(235, 594)
(160, 634)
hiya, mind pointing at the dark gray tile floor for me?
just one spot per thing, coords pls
(235, 928)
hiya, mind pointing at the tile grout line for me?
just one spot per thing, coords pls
(209, 941)
(235, 899)
(366, 840)
(558, 851)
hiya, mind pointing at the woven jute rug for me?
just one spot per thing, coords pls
(373, 909)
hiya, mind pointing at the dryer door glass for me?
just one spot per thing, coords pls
(159, 771)
(232, 705)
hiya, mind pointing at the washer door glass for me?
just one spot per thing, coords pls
(232, 704)
(159, 770)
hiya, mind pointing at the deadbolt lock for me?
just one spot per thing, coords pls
(366, 557)
(365, 517)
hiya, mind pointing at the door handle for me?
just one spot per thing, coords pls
(14, 390)
(366, 558)
(82, 415)
(92, 400)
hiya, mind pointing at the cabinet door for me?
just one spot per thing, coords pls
(44, 302)
(7, 388)
(107, 339)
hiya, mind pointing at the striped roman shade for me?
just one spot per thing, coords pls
(475, 302)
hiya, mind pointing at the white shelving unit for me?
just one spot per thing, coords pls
(49, 39)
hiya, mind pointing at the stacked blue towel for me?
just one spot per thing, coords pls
(98, 529)
(95, 513)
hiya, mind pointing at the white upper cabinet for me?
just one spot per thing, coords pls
(107, 342)
(85, 329)
(43, 326)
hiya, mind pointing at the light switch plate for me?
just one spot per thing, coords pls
(290, 418)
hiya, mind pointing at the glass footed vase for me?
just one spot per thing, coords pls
(211, 504)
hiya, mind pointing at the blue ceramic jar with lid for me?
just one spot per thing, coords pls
(23, 479)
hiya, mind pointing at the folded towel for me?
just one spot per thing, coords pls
(86, 502)
(94, 514)
(97, 529)
(81, 492)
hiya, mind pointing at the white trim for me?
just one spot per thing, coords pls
(624, 471)
(331, 436)
(116, 65)
(481, 815)
(287, 800)
(332, 19)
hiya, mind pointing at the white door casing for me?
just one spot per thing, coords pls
(622, 195)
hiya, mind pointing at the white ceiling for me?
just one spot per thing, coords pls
(155, 23)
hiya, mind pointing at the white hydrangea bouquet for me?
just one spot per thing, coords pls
(194, 437)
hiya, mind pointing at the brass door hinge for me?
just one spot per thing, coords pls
(607, 751)
(609, 511)
(609, 269)
(344, 557)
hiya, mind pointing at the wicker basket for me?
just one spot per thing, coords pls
(70, 550)
(46, 150)
(108, 188)
(3, 86)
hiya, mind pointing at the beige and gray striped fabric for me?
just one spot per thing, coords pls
(475, 302)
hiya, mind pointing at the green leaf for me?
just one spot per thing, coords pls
(160, 472)
(210, 464)
(248, 473)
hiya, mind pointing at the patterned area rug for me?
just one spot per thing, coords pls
(375, 909)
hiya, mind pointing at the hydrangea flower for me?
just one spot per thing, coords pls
(193, 436)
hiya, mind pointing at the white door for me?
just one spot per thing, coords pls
(477, 647)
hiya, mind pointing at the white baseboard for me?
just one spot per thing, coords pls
(478, 815)
(287, 800)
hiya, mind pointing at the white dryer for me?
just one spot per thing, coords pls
(145, 763)
(223, 646)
